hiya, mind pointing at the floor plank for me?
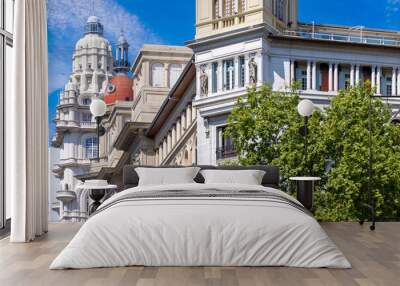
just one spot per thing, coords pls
(375, 257)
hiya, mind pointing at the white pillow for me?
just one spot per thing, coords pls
(166, 176)
(247, 177)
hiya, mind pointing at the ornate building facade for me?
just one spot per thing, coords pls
(174, 128)
(155, 72)
(240, 43)
(92, 69)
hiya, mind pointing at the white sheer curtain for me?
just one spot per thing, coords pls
(26, 122)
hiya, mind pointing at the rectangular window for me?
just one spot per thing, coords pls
(86, 117)
(242, 71)
(279, 9)
(229, 74)
(214, 77)
(303, 80)
(388, 89)
(225, 147)
(91, 149)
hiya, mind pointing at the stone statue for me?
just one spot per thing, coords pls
(252, 71)
(203, 82)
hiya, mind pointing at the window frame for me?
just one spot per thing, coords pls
(152, 70)
(6, 40)
(214, 79)
(228, 74)
(90, 151)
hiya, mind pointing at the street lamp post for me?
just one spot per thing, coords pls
(305, 109)
(98, 109)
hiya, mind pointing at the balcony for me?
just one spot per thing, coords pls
(343, 37)
(229, 21)
(66, 196)
(88, 125)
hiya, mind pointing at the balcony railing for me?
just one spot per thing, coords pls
(228, 21)
(337, 37)
(226, 152)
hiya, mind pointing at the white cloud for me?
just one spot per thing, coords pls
(392, 12)
(66, 20)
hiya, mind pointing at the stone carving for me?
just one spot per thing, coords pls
(203, 82)
(252, 71)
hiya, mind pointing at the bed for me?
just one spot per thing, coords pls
(201, 224)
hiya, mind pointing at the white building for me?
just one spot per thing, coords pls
(244, 42)
(54, 185)
(92, 65)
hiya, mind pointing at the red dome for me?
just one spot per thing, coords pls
(119, 88)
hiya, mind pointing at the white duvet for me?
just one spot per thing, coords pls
(200, 231)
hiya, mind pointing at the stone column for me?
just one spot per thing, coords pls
(220, 83)
(174, 136)
(357, 74)
(394, 81)
(221, 8)
(194, 113)
(169, 142)
(246, 70)
(373, 77)
(178, 130)
(378, 80)
(236, 72)
(188, 116)
(314, 75)
(164, 148)
(292, 71)
(308, 75)
(183, 122)
(336, 78)
(330, 76)
(352, 75)
(198, 85)
(260, 68)
(398, 81)
(166, 75)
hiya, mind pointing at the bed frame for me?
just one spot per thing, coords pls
(270, 179)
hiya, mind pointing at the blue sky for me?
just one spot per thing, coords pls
(159, 21)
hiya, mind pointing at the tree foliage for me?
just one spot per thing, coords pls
(264, 126)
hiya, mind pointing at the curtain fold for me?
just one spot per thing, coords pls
(26, 123)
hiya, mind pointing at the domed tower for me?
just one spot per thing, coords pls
(120, 87)
(92, 60)
(92, 69)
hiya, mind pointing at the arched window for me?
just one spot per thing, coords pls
(157, 75)
(174, 73)
(91, 149)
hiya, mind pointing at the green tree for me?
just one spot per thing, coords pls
(265, 126)
(344, 133)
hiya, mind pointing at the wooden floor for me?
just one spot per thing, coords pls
(375, 257)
